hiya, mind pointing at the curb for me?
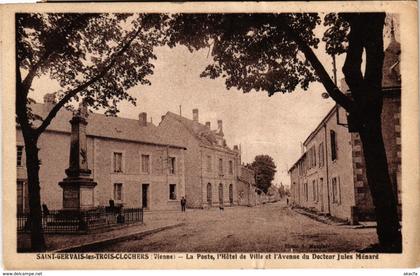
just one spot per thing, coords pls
(89, 247)
(317, 218)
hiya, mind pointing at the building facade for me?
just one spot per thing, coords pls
(330, 176)
(133, 163)
(247, 188)
(211, 177)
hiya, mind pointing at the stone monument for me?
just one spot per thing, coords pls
(78, 186)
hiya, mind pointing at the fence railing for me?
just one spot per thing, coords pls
(83, 221)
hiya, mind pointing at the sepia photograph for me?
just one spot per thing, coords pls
(204, 135)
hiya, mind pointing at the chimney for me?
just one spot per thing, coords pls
(143, 119)
(195, 114)
(236, 148)
(162, 118)
(219, 125)
(208, 125)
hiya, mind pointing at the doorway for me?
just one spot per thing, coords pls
(221, 194)
(231, 194)
(209, 195)
(145, 196)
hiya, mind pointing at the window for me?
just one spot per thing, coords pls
(220, 165)
(313, 156)
(19, 155)
(208, 163)
(335, 183)
(172, 191)
(118, 191)
(172, 162)
(20, 196)
(117, 161)
(230, 166)
(333, 138)
(305, 190)
(145, 163)
(321, 154)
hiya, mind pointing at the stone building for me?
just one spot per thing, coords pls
(246, 187)
(132, 161)
(211, 177)
(330, 176)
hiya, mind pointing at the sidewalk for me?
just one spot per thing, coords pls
(334, 221)
(320, 217)
(153, 222)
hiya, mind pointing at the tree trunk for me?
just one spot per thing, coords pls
(383, 195)
(35, 213)
(367, 34)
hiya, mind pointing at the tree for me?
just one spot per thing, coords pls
(274, 53)
(281, 190)
(264, 168)
(97, 57)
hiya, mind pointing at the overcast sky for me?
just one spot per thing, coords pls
(260, 124)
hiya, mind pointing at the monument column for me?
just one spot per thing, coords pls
(78, 186)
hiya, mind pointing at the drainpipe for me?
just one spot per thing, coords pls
(326, 167)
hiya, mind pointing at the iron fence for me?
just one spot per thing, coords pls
(83, 221)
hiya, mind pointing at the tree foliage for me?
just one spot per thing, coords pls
(251, 51)
(336, 35)
(265, 169)
(109, 52)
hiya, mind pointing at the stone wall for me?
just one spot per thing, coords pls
(54, 155)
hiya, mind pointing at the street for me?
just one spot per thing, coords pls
(267, 228)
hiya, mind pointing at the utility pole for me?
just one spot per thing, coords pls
(334, 69)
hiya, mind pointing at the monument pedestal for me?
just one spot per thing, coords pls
(78, 186)
(78, 193)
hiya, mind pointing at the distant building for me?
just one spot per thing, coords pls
(247, 188)
(132, 161)
(212, 167)
(330, 176)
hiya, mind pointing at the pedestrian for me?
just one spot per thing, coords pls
(287, 200)
(183, 204)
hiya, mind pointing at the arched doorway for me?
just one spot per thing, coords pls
(221, 194)
(231, 194)
(209, 195)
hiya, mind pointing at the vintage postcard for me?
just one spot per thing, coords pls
(210, 135)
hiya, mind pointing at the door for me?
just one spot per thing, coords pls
(231, 194)
(221, 194)
(145, 196)
(209, 194)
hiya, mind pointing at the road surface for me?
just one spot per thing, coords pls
(267, 228)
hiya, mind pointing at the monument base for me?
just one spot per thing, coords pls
(78, 193)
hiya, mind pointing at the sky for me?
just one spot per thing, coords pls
(275, 125)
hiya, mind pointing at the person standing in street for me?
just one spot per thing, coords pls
(183, 204)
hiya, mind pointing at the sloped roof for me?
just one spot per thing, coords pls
(108, 127)
(202, 133)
